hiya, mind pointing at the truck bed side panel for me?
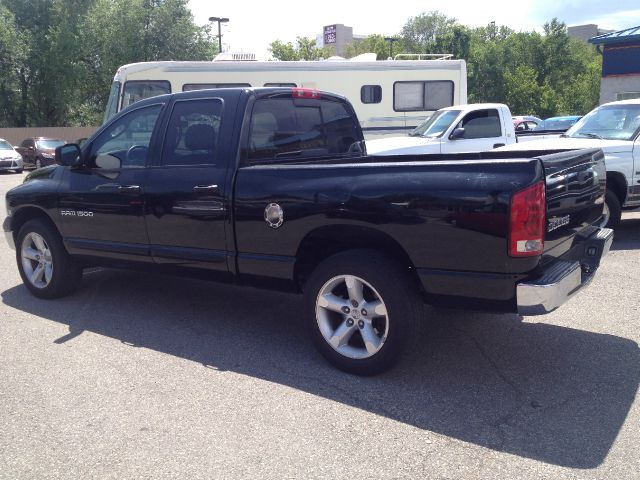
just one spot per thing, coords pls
(446, 215)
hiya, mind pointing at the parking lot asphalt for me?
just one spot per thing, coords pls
(140, 376)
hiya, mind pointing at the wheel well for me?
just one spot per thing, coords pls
(25, 214)
(327, 241)
(618, 185)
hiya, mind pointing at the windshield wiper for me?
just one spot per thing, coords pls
(591, 135)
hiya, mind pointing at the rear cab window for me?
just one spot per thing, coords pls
(288, 128)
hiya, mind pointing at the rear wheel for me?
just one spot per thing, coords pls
(46, 268)
(361, 308)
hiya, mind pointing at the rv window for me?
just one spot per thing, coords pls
(189, 87)
(438, 94)
(422, 96)
(371, 94)
(112, 103)
(280, 85)
(136, 90)
(408, 96)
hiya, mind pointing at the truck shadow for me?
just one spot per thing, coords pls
(627, 234)
(540, 391)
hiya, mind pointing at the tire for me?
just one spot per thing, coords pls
(46, 268)
(612, 211)
(361, 279)
(19, 170)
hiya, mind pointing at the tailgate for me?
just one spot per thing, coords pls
(575, 189)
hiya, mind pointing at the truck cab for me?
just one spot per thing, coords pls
(478, 127)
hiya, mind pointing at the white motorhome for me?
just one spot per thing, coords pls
(389, 96)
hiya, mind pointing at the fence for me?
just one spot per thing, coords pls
(69, 134)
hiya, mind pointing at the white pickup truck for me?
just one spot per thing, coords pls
(477, 127)
(615, 128)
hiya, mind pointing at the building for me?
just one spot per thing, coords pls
(338, 36)
(585, 32)
(620, 64)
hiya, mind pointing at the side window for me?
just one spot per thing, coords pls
(422, 95)
(481, 124)
(192, 133)
(125, 143)
(341, 128)
(371, 94)
(279, 128)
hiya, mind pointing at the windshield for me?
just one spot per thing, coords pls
(112, 103)
(612, 122)
(436, 125)
(49, 144)
(136, 90)
(4, 145)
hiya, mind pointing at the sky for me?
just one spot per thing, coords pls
(253, 24)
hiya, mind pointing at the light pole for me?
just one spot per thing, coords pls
(220, 21)
(391, 40)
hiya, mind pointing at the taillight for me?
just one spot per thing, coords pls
(527, 221)
(305, 93)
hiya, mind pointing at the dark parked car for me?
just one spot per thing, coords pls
(39, 151)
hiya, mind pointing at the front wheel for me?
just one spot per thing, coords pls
(361, 308)
(612, 211)
(46, 268)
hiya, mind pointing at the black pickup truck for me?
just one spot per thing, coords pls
(273, 187)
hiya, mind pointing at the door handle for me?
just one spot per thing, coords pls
(206, 189)
(496, 145)
(129, 189)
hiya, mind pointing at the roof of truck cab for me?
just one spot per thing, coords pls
(475, 106)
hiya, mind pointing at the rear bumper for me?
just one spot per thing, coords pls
(564, 278)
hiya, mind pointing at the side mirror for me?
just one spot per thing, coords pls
(457, 134)
(68, 155)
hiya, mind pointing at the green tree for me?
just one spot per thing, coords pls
(65, 52)
(13, 51)
(374, 44)
(421, 32)
(305, 49)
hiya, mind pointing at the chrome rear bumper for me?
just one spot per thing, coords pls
(564, 278)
